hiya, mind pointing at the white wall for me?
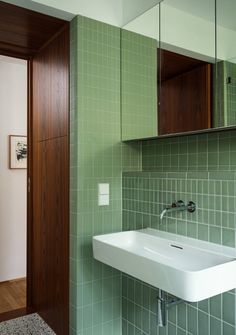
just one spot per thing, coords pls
(13, 111)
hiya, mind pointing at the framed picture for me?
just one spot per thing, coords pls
(17, 152)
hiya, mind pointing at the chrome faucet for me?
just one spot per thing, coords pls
(163, 213)
(178, 206)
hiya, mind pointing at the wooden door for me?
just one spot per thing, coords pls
(50, 183)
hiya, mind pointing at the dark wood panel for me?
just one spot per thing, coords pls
(50, 250)
(29, 185)
(13, 314)
(185, 102)
(50, 78)
(23, 32)
(50, 245)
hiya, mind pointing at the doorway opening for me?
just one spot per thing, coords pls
(43, 42)
(13, 181)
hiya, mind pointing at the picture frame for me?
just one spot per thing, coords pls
(17, 152)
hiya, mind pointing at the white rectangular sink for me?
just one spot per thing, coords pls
(190, 269)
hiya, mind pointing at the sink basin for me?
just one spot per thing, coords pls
(190, 269)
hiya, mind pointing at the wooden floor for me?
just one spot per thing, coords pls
(12, 295)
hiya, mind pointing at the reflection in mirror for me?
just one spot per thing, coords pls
(187, 64)
(134, 8)
(225, 98)
(167, 69)
(139, 44)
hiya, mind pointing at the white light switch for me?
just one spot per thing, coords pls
(103, 194)
(103, 188)
(103, 200)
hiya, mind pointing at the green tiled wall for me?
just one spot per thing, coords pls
(205, 152)
(182, 168)
(220, 97)
(138, 85)
(97, 155)
(199, 166)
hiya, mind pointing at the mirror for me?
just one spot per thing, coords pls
(132, 9)
(187, 65)
(139, 44)
(179, 87)
(225, 97)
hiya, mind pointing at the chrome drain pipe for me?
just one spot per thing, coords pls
(164, 303)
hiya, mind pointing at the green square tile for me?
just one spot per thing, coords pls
(203, 232)
(228, 237)
(163, 331)
(215, 306)
(229, 308)
(181, 316)
(108, 328)
(97, 313)
(153, 324)
(87, 294)
(138, 316)
(172, 330)
(203, 323)
(87, 320)
(215, 326)
(227, 329)
(131, 312)
(138, 293)
(172, 315)
(191, 229)
(215, 234)
(192, 320)
(145, 321)
(204, 305)
(146, 296)
(180, 332)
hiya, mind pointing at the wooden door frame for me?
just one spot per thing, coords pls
(29, 225)
(41, 31)
(29, 303)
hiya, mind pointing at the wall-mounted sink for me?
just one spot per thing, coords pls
(190, 269)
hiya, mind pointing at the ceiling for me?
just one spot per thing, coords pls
(120, 12)
(115, 12)
(23, 32)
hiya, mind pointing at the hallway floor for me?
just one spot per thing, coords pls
(31, 324)
(12, 295)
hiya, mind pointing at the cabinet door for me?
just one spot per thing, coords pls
(225, 70)
(138, 86)
(187, 59)
(151, 103)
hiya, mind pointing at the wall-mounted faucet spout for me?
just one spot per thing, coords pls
(163, 213)
(178, 206)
